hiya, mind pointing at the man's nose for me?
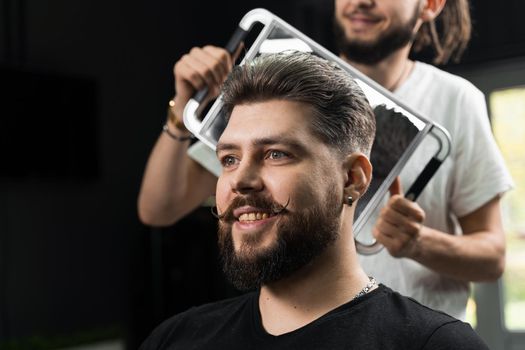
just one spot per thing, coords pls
(247, 178)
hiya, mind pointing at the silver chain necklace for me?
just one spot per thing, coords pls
(371, 284)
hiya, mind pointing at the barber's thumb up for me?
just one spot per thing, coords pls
(399, 224)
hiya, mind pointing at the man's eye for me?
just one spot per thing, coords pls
(228, 161)
(274, 154)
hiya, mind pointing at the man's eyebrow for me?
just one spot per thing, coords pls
(264, 141)
(279, 140)
(226, 147)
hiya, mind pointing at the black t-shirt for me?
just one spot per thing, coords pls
(382, 319)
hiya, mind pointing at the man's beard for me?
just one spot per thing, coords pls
(300, 238)
(373, 52)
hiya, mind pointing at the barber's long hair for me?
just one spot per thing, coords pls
(454, 27)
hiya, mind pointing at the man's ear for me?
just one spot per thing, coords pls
(431, 9)
(358, 170)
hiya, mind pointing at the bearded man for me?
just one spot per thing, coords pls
(295, 161)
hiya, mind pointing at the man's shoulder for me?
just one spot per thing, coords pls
(196, 323)
(456, 334)
(400, 306)
(434, 328)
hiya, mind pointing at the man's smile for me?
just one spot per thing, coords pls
(249, 213)
(253, 216)
(248, 217)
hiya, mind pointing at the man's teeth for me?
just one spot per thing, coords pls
(253, 216)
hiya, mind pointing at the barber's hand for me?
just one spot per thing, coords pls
(202, 67)
(399, 225)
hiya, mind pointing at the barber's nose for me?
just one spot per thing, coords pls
(363, 3)
(247, 178)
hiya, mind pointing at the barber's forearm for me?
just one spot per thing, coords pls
(478, 256)
(165, 183)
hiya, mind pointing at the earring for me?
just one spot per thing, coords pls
(349, 201)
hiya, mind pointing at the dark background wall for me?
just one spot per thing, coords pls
(83, 93)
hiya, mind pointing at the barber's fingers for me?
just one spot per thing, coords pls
(399, 241)
(384, 228)
(408, 224)
(396, 187)
(202, 68)
(398, 245)
(195, 68)
(399, 203)
(221, 61)
(187, 76)
(405, 206)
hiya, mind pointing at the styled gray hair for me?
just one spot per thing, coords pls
(342, 117)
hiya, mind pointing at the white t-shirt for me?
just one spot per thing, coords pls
(473, 174)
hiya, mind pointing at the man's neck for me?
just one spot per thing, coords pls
(329, 281)
(391, 72)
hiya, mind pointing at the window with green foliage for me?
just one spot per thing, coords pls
(507, 109)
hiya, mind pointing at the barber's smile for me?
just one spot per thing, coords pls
(362, 21)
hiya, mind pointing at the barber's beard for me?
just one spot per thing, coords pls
(301, 237)
(374, 52)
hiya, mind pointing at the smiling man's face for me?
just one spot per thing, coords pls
(280, 192)
(369, 31)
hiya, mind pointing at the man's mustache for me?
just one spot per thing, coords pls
(260, 202)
